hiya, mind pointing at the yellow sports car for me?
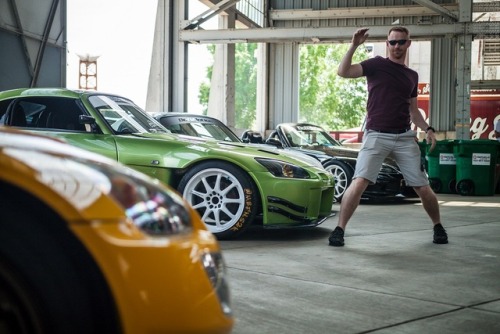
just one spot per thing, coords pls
(90, 246)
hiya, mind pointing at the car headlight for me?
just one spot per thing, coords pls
(283, 169)
(153, 210)
(214, 266)
(150, 206)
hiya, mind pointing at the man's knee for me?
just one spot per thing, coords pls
(360, 183)
(424, 191)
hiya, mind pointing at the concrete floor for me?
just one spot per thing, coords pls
(388, 278)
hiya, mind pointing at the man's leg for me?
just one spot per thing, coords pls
(431, 206)
(376, 146)
(349, 203)
(351, 200)
(429, 202)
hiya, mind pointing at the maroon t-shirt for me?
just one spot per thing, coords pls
(390, 87)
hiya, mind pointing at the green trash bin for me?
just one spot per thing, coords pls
(423, 153)
(476, 161)
(442, 167)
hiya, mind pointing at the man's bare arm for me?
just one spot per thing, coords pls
(346, 68)
(417, 119)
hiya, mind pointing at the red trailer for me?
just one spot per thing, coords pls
(484, 110)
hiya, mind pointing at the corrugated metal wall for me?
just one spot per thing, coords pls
(385, 17)
(33, 42)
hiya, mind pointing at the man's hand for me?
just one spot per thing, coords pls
(359, 37)
(430, 137)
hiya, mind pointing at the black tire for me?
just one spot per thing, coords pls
(342, 173)
(224, 196)
(19, 313)
(452, 186)
(436, 184)
(48, 281)
(465, 187)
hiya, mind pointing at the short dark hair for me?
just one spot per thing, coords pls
(400, 29)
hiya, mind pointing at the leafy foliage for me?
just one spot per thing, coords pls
(204, 93)
(245, 85)
(325, 98)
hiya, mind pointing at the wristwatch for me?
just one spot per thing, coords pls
(430, 128)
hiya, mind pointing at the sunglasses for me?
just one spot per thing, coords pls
(397, 41)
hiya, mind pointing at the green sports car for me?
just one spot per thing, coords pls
(231, 186)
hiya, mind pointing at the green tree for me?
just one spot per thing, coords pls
(204, 93)
(245, 85)
(325, 98)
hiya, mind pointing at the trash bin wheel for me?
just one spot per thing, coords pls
(452, 186)
(465, 187)
(435, 184)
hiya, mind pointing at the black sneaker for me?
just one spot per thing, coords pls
(440, 236)
(336, 238)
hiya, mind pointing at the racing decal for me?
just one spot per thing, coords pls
(246, 212)
(287, 204)
(307, 128)
(194, 120)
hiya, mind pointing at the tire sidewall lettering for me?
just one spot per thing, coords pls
(246, 211)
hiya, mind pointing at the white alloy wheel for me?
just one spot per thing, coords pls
(224, 197)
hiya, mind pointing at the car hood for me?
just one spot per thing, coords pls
(302, 156)
(334, 151)
(387, 167)
(342, 152)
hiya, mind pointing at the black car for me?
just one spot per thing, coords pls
(297, 138)
(337, 158)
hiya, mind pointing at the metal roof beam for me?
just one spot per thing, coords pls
(22, 36)
(208, 14)
(439, 9)
(355, 12)
(323, 34)
(486, 7)
(45, 37)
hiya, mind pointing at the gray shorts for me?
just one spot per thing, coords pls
(401, 147)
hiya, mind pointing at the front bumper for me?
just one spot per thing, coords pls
(296, 202)
(159, 284)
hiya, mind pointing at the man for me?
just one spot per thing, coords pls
(392, 105)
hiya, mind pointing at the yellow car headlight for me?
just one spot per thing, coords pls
(148, 204)
(214, 266)
(152, 209)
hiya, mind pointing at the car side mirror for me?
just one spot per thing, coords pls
(274, 142)
(251, 137)
(89, 122)
(86, 119)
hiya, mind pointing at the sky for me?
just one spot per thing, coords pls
(120, 33)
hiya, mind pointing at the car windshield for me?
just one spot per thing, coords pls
(124, 116)
(199, 126)
(305, 135)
